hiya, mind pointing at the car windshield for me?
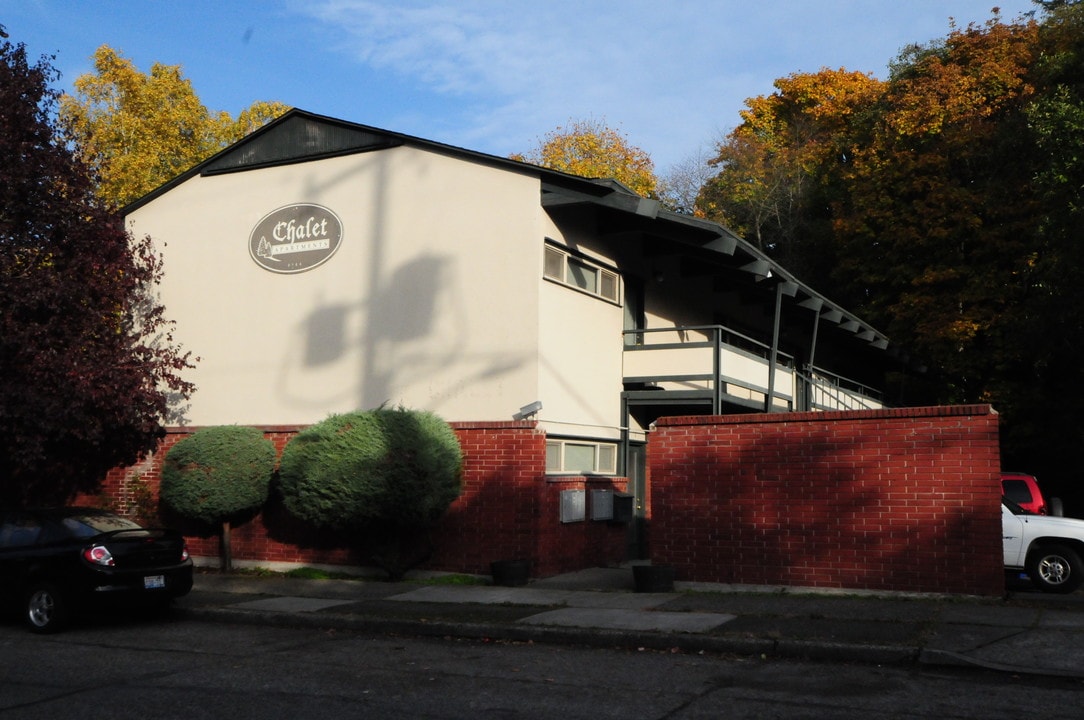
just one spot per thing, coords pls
(1014, 508)
(91, 524)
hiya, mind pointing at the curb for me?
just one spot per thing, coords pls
(946, 658)
(600, 638)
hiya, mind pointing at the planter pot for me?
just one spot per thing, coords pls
(653, 578)
(510, 573)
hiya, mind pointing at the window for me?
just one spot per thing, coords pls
(1017, 491)
(581, 457)
(576, 272)
(19, 532)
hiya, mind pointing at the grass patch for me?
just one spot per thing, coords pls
(254, 572)
(311, 573)
(454, 579)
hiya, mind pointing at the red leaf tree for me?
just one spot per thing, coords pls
(88, 368)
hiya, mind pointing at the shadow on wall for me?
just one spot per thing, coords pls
(834, 505)
(391, 340)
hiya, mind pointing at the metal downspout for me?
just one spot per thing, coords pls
(808, 395)
(773, 359)
(717, 363)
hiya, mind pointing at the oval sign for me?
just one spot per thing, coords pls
(295, 238)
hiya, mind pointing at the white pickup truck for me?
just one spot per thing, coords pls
(1048, 548)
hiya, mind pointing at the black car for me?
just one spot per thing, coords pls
(57, 562)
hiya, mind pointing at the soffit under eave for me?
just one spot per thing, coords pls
(299, 138)
(621, 216)
(706, 248)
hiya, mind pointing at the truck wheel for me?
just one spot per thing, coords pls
(46, 610)
(1055, 569)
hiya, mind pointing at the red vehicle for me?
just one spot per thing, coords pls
(1023, 489)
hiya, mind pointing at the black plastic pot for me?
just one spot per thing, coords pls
(653, 578)
(510, 573)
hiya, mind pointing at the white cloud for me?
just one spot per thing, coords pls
(670, 75)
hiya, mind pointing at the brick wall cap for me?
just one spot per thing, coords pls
(830, 416)
(461, 425)
(495, 425)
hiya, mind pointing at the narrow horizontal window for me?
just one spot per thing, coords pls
(579, 273)
(581, 457)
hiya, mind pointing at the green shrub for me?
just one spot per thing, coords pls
(378, 467)
(218, 473)
(384, 474)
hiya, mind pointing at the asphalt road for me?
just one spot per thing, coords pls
(174, 668)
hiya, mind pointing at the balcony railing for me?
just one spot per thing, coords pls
(714, 363)
(828, 391)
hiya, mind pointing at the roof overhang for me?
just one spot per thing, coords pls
(711, 247)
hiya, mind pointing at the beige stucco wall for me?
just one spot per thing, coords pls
(425, 303)
(581, 345)
(580, 363)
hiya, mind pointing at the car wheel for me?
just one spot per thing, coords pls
(46, 610)
(1055, 568)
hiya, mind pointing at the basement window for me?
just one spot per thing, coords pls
(576, 272)
(579, 457)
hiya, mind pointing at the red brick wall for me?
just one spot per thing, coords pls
(508, 510)
(563, 547)
(495, 516)
(905, 499)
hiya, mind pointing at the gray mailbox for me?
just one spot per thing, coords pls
(623, 505)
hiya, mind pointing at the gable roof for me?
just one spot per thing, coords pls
(300, 136)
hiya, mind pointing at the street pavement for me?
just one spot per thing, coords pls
(1024, 632)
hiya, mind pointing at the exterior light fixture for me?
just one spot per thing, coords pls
(528, 410)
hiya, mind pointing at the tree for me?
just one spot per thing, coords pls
(139, 131)
(680, 188)
(217, 475)
(779, 168)
(1045, 433)
(959, 232)
(945, 205)
(382, 476)
(935, 229)
(87, 363)
(591, 149)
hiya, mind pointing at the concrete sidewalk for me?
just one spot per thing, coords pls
(1026, 632)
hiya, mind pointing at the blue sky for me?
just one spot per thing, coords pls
(495, 75)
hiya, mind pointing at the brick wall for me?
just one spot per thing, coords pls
(508, 509)
(567, 546)
(905, 499)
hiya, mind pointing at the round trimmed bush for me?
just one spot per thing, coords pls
(218, 473)
(386, 468)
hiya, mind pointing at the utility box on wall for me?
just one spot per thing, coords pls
(602, 504)
(622, 507)
(573, 506)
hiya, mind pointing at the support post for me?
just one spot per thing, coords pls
(774, 358)
(807, 398)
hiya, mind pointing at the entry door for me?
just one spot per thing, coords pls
(637, 474)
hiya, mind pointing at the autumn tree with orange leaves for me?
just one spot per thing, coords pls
(592, 149)
(946, 206)
(778, 169)
(934, 232)
(138, 131)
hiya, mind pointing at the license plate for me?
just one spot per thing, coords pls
(152, 582)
